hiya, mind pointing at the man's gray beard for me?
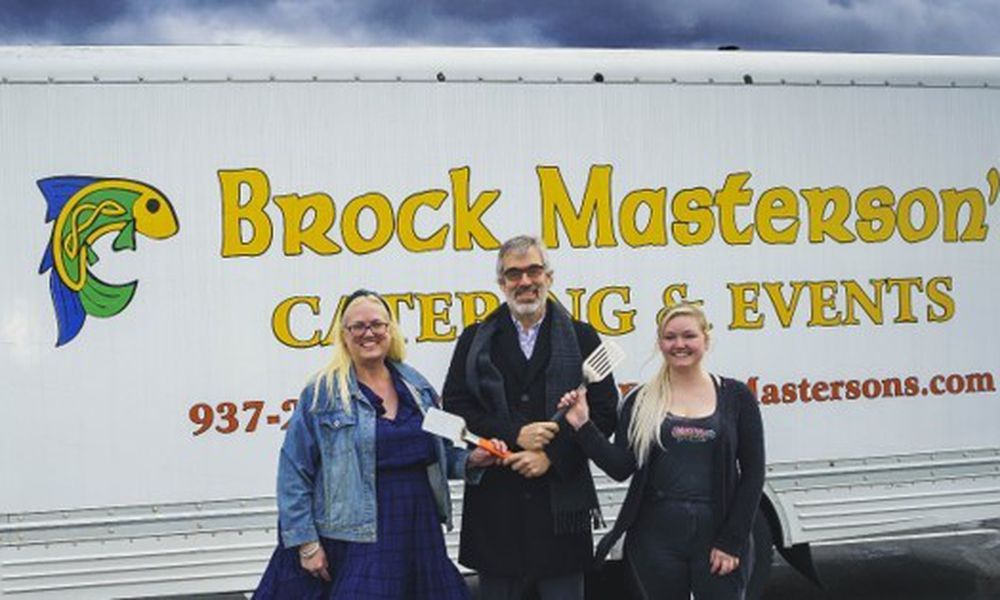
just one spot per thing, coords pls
(523, 310)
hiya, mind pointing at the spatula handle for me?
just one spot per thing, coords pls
(559, 414)
(486, 445)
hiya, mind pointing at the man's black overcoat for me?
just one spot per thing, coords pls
(507, 521)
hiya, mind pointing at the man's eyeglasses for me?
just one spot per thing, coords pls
(359, 328)
(515, 274)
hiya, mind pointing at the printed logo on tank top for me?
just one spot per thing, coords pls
(691, 433)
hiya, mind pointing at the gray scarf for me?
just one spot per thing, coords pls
(573, 497)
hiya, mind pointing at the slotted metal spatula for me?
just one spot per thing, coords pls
(597, 366)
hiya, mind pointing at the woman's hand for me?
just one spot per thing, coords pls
(721, 563)
(577, 409)
(482, 458)
(313, 560)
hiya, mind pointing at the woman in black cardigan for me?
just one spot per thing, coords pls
(693, 444)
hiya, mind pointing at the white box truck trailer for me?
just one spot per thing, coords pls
(835, 213)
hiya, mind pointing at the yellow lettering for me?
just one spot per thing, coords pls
(744, 306)
(905, 287)
(779, 203)
(976, 228)
(832, 225)
(557, 207)
(937, 292)
(469, 217)
(823, 296)
(576, 301)
(476, 306)
(785, 311)
(856, 296)
(431, 315)
(406, 222)
(395, 301)
(350, 229)
(928, 203)
(294, 209)
(595, 311)
(693, 222)
(328, 336)
(675, 293)
(876, 219)
(727, 199)
(655, 232)
(252, 213)
(281, 322)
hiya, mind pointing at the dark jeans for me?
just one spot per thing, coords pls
(667, 553)
(498, 587)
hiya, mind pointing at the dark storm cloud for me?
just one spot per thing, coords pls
(921, 26)
(583, 23)
(62, 21)
(32, 14)
(918, 26)
(555, 23)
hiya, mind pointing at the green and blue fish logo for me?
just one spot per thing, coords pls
(82, 210)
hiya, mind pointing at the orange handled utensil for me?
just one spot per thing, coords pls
(452, 427)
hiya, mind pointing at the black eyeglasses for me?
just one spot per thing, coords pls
(515, 274)
(359, 328)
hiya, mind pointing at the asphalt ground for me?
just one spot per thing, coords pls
(952, 564)
(962, 564)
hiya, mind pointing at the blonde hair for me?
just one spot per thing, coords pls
(653, 400)
(337, 373)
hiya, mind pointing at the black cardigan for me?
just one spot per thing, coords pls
(738, 474)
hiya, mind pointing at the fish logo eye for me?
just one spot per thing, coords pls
(82, 210)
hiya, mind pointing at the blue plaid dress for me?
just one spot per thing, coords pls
(408, 561)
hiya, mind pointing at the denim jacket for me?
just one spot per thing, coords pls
(326, 470)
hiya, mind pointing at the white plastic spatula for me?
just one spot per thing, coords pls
(453, 427)
(601, 362)
(597, 366)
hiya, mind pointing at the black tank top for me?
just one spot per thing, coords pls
(682, 470)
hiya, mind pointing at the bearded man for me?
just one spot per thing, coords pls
(527, 527)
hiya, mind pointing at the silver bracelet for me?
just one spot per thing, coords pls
(311, 552)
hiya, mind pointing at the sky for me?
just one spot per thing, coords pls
(898, 26)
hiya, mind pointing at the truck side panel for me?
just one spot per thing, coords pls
(842, 238)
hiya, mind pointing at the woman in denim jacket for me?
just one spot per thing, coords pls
(362, 490)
